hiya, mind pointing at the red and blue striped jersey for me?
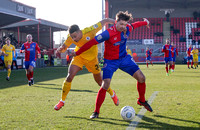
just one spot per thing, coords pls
(30, 50)
(189, 50)
(167, 49)
(148, 53)
(115, 42)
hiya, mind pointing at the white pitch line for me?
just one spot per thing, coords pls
(141, 113)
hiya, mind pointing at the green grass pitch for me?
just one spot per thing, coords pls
(176, 106)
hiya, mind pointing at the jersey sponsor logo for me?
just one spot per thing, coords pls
(99, 37)
(95, 26)
(30, 49)
(87, 38)
(118, 43)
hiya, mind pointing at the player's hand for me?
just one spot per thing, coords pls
(147, 22)
(73, 53)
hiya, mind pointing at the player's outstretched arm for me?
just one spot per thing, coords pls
(140, 23)
(107, 21)
(85, 47)
(98, 39)
(22, 50)
(62, 48)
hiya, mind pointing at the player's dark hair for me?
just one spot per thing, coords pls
(73, 28)
(123, 16)
(7, 38)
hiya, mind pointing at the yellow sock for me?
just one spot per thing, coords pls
(9, 72)
(65, 89)
(195, 65)
(110, 91)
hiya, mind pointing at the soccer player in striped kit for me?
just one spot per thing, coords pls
(148, 57)
(167, 49)
(31, 50)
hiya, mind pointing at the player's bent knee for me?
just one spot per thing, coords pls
(141, 79)
(106, 84)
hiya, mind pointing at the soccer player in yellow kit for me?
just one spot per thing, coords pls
(128, 51)
(88, 58)
(7, 51)
(195, 53)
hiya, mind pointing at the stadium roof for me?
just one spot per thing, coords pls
(32, 25)
(156, 3)
(12, 11)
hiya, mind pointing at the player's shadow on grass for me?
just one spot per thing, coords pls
(18, 77)
(72, 90)
(156, 124)
(111, 121)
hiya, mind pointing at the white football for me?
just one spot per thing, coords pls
(127, 113)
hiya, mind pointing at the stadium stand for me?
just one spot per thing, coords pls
(184, 31)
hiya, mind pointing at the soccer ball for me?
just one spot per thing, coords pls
(127, 113)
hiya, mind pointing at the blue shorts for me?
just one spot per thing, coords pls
(167, 59)
(29, 63)
(174, 59)
(126, 64)
(148, 58)
(189, 58)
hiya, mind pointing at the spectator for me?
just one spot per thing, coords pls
(46, 58)
(14, 61)
(67, 58)
(52, 60)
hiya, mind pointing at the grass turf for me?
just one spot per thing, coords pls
(176, 106)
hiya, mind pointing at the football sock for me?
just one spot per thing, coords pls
(9, 72)
(166, 69)
(31, 75)
(65, 89)
(100, 99)
(147, 64)
(28, 77)
(170, 67)
(151, 62)
(195, 65)
(173, 66)
(141, 87)
(188, 63)
(191, 63)
(110, 91)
